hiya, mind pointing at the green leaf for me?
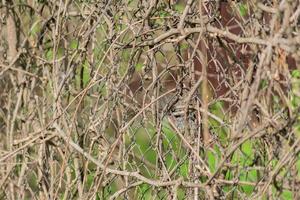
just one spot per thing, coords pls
(102, 89)
(90, 179)
(86, 73)
(248, 189)
(296, 73)
(126, 54)
(170, 162)
(235, 158)
(217, 108)
(184, 169)
(74, 44)
(250, 176)
(97, 196)
(171, 138)
(247, 148)
(144, 191)
(298, 165)
(179, 7)
(243, 9)
(49, 54)
(150, 155)
(228, 175)
(35, 28)
(295, 101)
(85, 76)
(287, 195)
(211, 159)
(163, 13)
(184, 46)
(263, 84)
(181, 194)
(139, 66)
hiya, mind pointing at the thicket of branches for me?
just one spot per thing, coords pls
(149, 99)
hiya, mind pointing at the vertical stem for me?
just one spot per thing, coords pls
(204, 86)
(205, 95)
(12, 41)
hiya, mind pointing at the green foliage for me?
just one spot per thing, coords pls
(163, 13)
(173, 142)
(298, 165)
(98, 52)
(248, 151)
(244, 157)
(90, 179)
(108, 190)
(83, 74)
(184, 46)
(35, 28)
(49, 54)
(249, 176)
(294, 94)
(102, 89)
(86, 72)
(287, 195)
(296, 73)
(144, 146)
(139, 67)
(33, 181)
(171, 138)
(97, 196)
(74, 44)
(144, 192)
(181, 194)
(211, 159)
(179, 7)
(184, 169)
(243, 8)
(217, 109)
(123, 31)
(263, 84)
